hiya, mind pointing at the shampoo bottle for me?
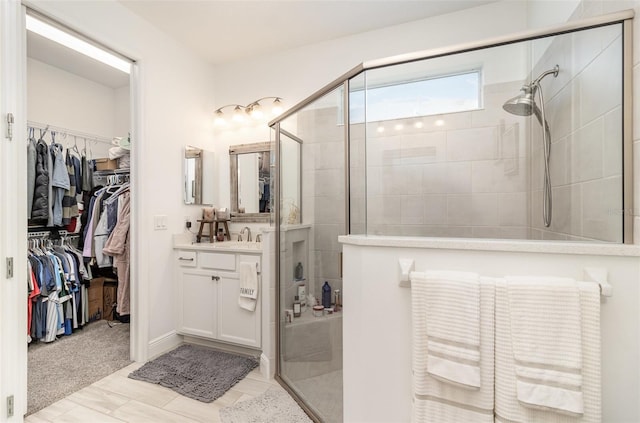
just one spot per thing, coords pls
(326, 295)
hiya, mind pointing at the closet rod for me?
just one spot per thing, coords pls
(69, 132)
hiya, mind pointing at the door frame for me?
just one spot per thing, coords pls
(13, 220)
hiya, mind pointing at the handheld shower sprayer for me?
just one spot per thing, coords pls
(525, 105)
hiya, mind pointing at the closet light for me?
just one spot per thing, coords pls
(68, 40)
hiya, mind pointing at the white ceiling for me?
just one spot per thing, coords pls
(225, 31)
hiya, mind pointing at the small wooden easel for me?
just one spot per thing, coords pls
(213, 230)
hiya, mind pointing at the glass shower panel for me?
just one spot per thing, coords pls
(312, 166)
(454, 148)
(357, 157)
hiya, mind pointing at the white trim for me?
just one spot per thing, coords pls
(266, 369)
(139, 346)
(477, 244)
(163, 344)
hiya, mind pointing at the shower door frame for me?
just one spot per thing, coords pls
(624, 17)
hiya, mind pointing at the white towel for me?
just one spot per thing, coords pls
(452, 307)
(547, 342)
(437, 400)
(248, 274)
(514, 379)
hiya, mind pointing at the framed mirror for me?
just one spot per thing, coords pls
(251, 187)
(198, 176)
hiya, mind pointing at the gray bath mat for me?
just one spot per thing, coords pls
(275, 405)
(196, 372)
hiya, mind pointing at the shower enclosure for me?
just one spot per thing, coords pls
(525, 137)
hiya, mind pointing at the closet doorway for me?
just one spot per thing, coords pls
(78, 111)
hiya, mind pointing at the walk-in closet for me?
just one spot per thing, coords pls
(78, 191)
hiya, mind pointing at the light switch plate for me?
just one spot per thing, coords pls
(160, 222)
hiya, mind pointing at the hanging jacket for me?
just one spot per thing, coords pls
(40, 207)
(69, 200)
(31, 171)
(59, 182)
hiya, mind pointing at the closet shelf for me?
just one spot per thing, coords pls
(111, 171)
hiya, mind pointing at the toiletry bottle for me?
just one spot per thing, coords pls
(338, 301)
(220, 236)
(296, 307)
(326, 295)
(302, 295)
(298, 272)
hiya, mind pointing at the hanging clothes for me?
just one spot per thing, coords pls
(118, 246)
(69, 200)
(31, 170)
(59, 181)
(40, 207)
(58, 296)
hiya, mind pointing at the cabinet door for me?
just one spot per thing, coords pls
(236, 324)
(198, 301)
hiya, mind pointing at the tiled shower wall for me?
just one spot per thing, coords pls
(458, 175)
(584, 111)
(323, 193)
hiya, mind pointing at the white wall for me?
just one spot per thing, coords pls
(60, 98)
(377, 323)
(175, 98)
(122, 107)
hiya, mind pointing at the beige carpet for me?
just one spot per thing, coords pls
(62, 367)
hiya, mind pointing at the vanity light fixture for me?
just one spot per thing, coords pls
(68, 40)
(253, 109)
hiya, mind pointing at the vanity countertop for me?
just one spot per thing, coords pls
(225, 246)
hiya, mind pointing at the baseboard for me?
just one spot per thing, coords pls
(164, 343)
(223, 346)
(266, 369)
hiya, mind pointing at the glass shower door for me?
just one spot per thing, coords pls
(311, 217)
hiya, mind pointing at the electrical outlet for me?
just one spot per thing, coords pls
(187, 222)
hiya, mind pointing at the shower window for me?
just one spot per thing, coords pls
(423, 95)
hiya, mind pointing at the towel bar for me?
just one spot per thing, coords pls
(590, 274)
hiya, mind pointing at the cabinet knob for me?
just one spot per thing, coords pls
(215, 278)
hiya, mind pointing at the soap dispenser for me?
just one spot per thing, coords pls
(326, 295)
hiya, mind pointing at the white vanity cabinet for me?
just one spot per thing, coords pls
(208, 291)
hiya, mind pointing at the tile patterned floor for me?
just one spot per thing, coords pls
(117, 399)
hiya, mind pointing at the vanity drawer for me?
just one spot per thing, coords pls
(187, 258)
(217, 261)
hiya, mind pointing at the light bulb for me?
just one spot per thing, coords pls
(219, 120)
(418, 124)
(439, 122)
(238, 114)
(380, 129)
(256, 111)
(277, 107)
(399, 127)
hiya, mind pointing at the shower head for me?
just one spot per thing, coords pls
(523, 104)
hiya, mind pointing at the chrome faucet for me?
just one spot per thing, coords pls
(248, 234)
(259, 238)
